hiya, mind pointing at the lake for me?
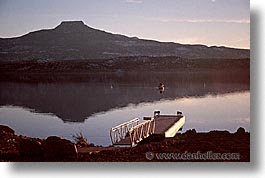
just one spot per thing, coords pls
(40, 105)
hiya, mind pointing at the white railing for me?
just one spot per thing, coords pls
(121, 131)
(142, 131)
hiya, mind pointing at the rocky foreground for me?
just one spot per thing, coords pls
(188, 146)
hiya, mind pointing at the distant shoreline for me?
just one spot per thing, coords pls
(79, 70)
(154, 64)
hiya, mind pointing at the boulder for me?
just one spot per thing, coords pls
(8, 144)
(192, 132)
(58, 149)
(30, 150)
(218, 133)
(10, 154)
(6, 130)
(240, 131)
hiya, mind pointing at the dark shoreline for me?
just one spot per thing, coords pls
(16, 148)
(168, 63)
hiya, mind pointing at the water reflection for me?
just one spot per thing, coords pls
(221, 112)
(81, 96)
(63, 105)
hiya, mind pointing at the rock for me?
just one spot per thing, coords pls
(58, 149)
(30, 150)
(192, 132)
(8, 144)
(240, 131)
(217, 133)
(6, 130)
(9, 155)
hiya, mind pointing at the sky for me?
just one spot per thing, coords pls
(208, 22)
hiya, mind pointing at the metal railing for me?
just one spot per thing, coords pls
(142, 131)
(121, 131)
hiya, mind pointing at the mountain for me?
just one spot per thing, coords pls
(73, 40)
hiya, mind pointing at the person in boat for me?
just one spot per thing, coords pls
(161, 87)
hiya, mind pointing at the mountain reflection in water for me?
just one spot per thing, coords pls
(73, 98)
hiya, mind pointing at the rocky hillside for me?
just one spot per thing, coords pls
(73, 40)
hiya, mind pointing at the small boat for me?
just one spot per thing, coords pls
(161, 87)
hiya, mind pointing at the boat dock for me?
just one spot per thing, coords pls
(132, 132)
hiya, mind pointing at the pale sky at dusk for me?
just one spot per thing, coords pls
(209, 22)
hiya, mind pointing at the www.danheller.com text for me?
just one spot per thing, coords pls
(209, 155)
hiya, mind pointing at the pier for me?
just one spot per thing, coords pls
(132, 132)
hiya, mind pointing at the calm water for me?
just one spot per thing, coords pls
(92, 104)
